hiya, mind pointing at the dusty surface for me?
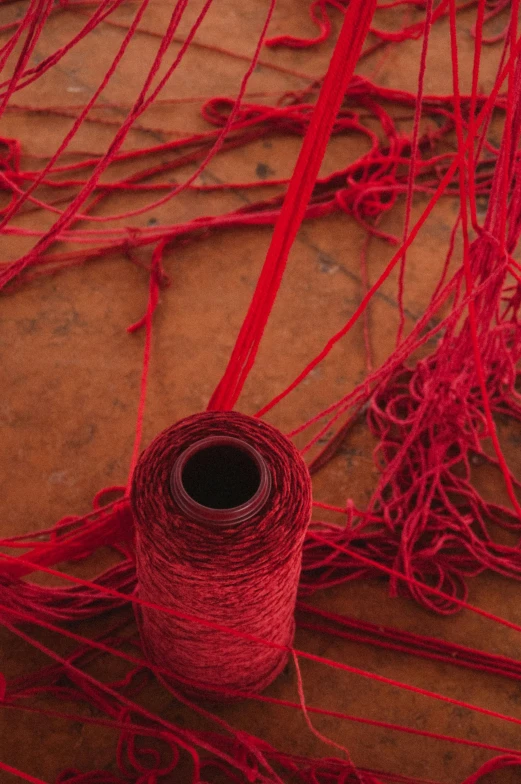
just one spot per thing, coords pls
(70, 376)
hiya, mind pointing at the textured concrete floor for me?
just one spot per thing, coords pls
(70, 375)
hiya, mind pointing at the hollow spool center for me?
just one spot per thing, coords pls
(220, 479)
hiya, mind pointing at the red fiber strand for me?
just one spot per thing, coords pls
(426, 527)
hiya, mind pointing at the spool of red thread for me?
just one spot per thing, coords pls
(221, 503)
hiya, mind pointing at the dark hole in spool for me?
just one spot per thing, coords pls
(220, 479)
(221, 476)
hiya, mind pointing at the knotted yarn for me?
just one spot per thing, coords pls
(235, 574)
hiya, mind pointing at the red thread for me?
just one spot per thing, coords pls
(240, 574)
(20, 774)
(426, 526)
(343, 61)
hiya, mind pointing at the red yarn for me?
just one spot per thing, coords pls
(319, 15)
(345, 55)
(239, 575)
(162, 671)
(426, 527)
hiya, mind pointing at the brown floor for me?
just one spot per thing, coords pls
(70, 375)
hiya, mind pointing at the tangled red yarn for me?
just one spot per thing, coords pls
(426, 526)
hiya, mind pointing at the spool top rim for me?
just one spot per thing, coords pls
(230, 515)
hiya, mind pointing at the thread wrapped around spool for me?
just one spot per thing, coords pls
(233, 565)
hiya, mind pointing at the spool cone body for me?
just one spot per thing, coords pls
(238, 576)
